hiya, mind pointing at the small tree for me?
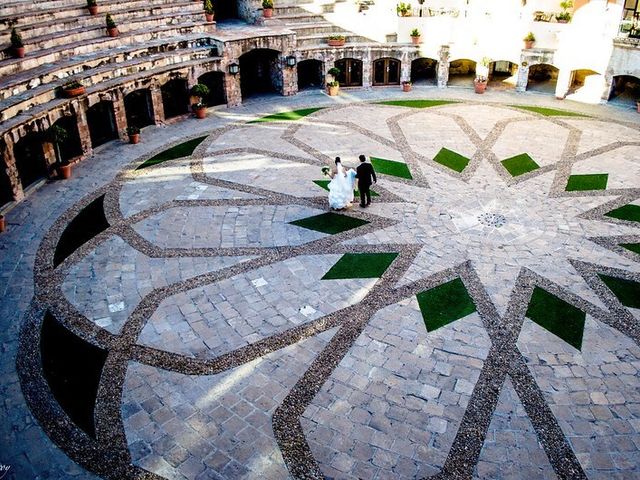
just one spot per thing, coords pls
(415, 33)
(92, 3)
(267, 3)
(110, 22)
(16, 39)
(530, 37)
(57, 135)
(334, 72)
(201, 91)
(208, 7)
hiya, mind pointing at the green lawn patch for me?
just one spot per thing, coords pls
(444, 304)
(626, 212)
(633, 247)
(325, 184)
(520, 164)
(557, 316)
(627, 291)
(181, 150)
(593, 181)
(360, 265)
(329, 222)
(416, 103)
(291, 115)
(549, 112)
(391, 167)
(451, 159)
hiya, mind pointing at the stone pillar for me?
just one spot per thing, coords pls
(523, 76)
(366, 68)
(443, 66)
(405, 67)
(232, 89)
(607, 86)
(564, 82)
(83, 128)
(289, 79)
(119, 113)
(156, 101)
(8, 163)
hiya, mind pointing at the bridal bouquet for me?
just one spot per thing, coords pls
(325, 171)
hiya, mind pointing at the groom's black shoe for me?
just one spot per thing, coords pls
(362, 205)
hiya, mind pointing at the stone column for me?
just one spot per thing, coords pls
(232, 89)
(156, 101)
(523, 76)
(289, 79)
(83, 128)
(607, 86)
(366, 68)
(443, 66)
(119, 113)
(564, 83)
(405, 66)
(8, 163)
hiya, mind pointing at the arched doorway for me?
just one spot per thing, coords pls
(542, 78)
(424, 71)
(30, 160)
(260, 72)
(586, 85)
(310, 74)
(72, 147)
(350, 72)
(6, 192)
(215, 82)
(502, 75)
(139, 108)
(461, 73)
(625, 90)
(386, 71)
(175, 97)
(102, 123)
(226, 10)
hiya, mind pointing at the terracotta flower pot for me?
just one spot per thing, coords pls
(74, 92)
(201, 112)
(638, 106)
(479, 87)
(528, 44)
(333, 91)
(19, 52)
(208, 17)
(406, 87)
(113, 32)
(134, 138)
(267, 12)
(64, 171)
(416, 40)
(93, 10)
(3, 224)
(336, 43)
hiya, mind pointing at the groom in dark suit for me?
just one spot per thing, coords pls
(365, 175)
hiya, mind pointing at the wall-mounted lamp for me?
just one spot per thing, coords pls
(291, 61)
(234, 68)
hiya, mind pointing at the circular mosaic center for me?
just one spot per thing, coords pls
(492, 219)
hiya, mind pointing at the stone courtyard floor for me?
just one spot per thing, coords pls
(207, 318)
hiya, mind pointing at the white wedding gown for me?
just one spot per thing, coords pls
(341, 188)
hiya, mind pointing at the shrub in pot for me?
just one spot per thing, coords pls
(529, 40)
(201, 91)
(415, 36)
(57, 135)
(112, 28)
(565, 15)
(403, 9)
(406, 86)
(333, 88)
(134, 134)
(208, 10)
(3, 224)
(92, 5)
(73, 89)
(480, 84)
(336, 40)
(267, 8)
(16, 43)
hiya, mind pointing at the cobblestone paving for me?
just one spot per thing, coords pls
(229, 357)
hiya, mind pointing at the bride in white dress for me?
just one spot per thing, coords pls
(341, 187)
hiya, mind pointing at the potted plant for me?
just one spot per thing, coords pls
(406, 86)
(638, 105)
(403, 9)
(201, 91)
(73, 89)
(112, 28)
(3, 224)
(333, 88)
(334, 72)
(57, 135)
(267, 8)
(16, 43)
(415, 36)
(134, 134)
(208, 10)
(480, 83)
(92, 5)
(529, 40)
(336, 40)
(564, 16)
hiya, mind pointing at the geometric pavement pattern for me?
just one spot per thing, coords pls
(228, 357)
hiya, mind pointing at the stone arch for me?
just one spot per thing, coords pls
(350, 72)
(72, 147)
(461, 72)
(139, 108)
(30, 159)
(175, 97)
(6, 190)
(503, 74)
(585, 85)
(386, 71)
(424, 71)
(542, 77)
(260, 72)
(102, 123)
(310, 74)
(625, 90)
(215, 82)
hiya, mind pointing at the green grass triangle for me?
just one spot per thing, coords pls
(416, 103)
(289, 116)
(451, 159)
(626, 212)
(178, 151)
(627, 291)
(591, 181)
(444, 304)
(549, 112)
(557, 316)
(520, 164)
(391, 167)
(360, 265)
(329, 222)
(632, 247)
